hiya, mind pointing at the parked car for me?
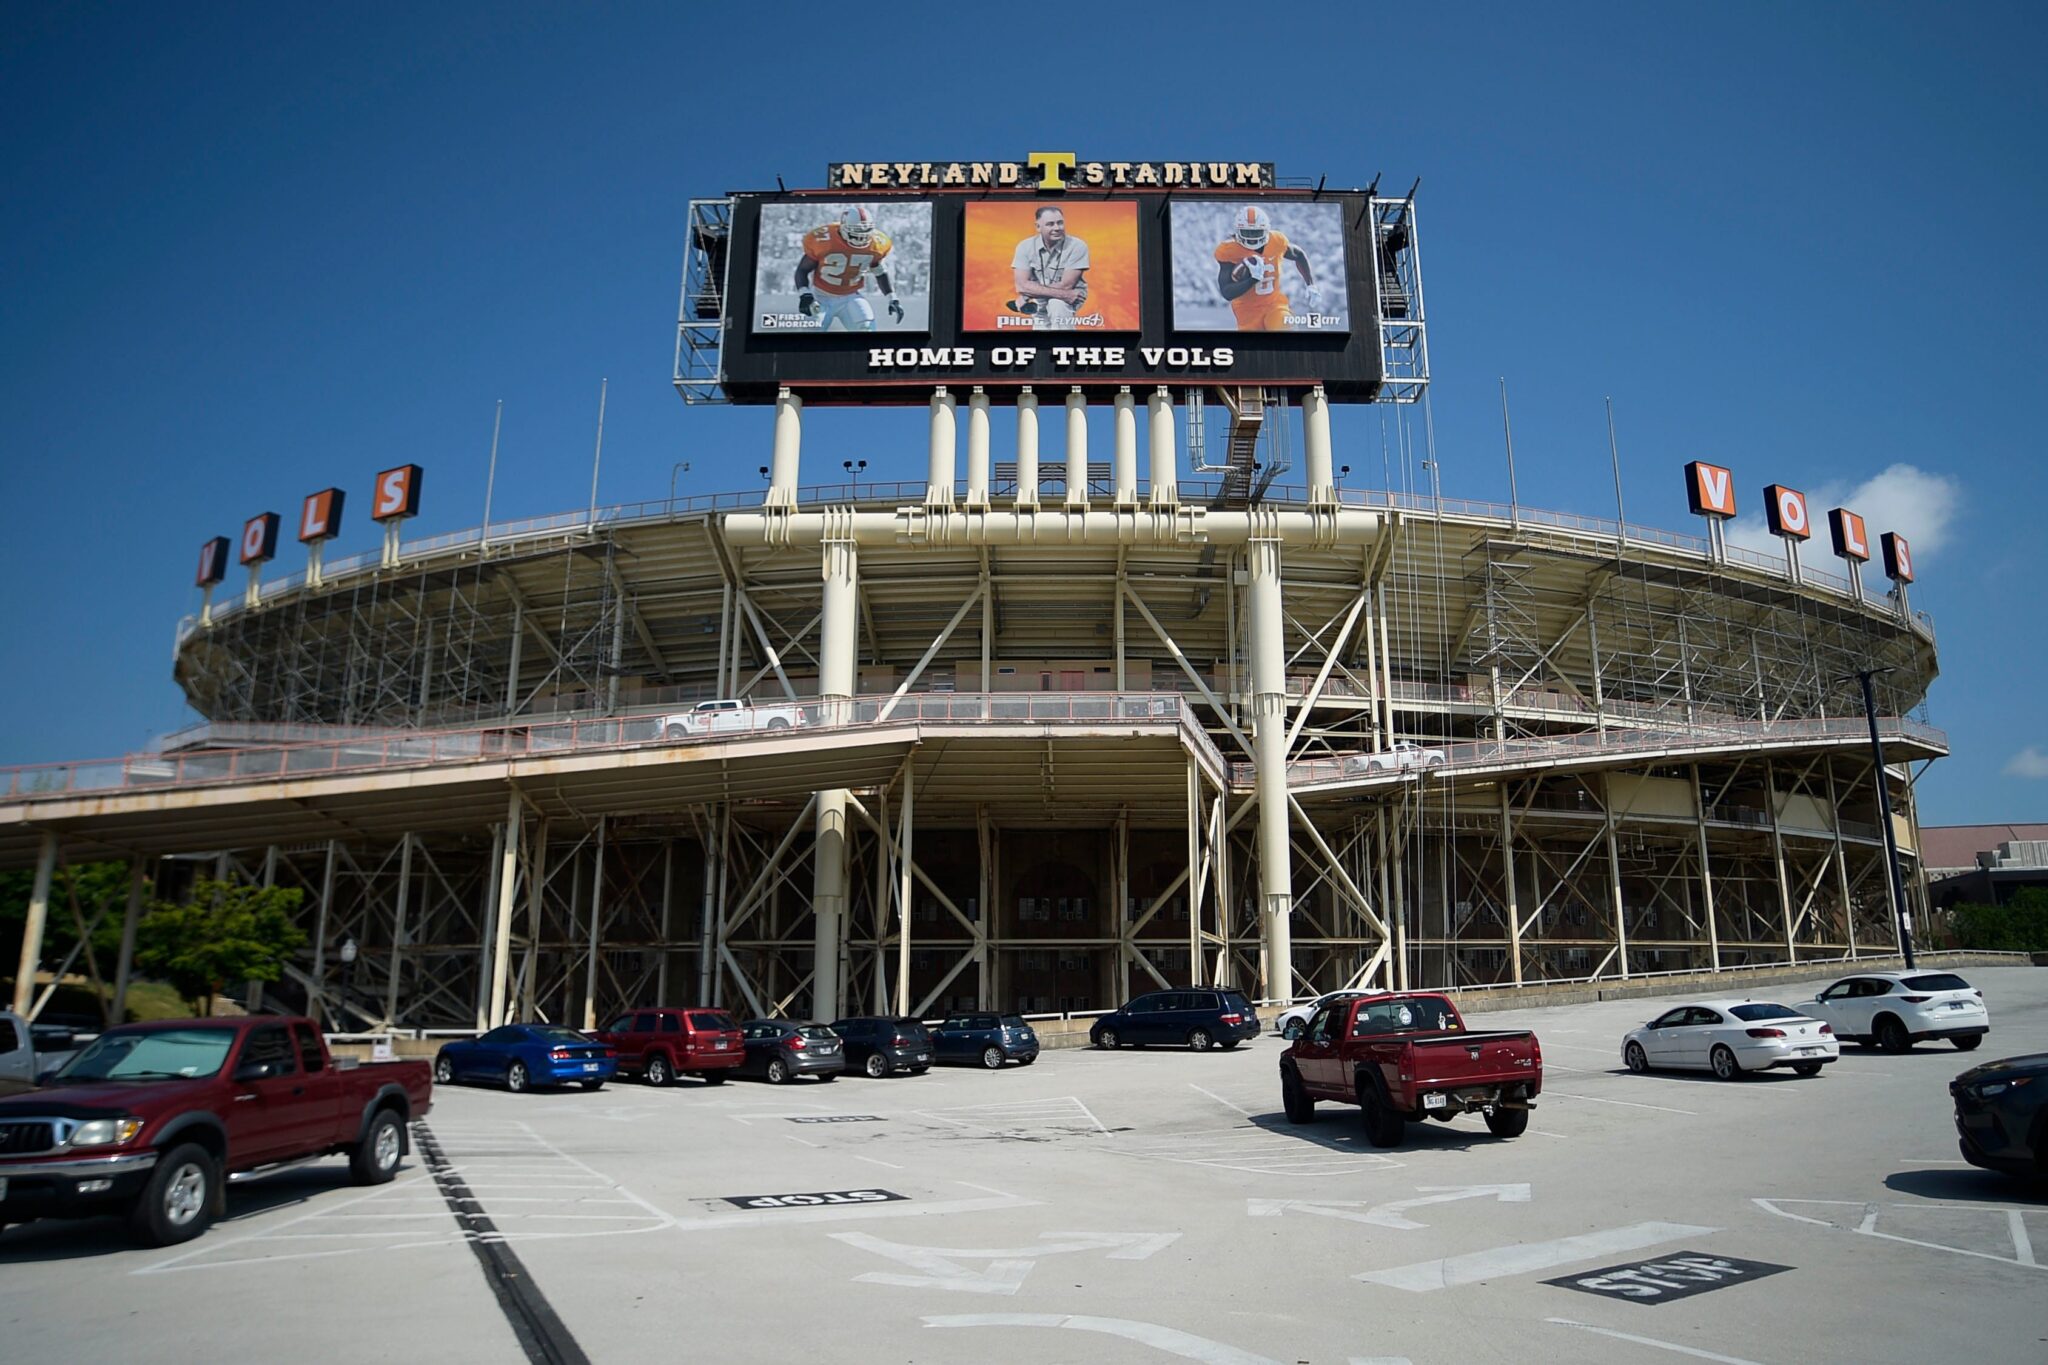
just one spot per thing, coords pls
(1895, 1010)
(986, 1040)
(28, 1050)
(777, 1050)
(1404, 755)
(1290, 1021)
(1200, 1017)
(1407, 1056)
(879, 1046)
(1729, 1038)
(666, 1043)
(150, 1120)
(521, 1056)
(730, 716)
(2002, 1115)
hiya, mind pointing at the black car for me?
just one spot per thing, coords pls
(2002, 1115)
(1202, 1018)
(879, 1046)
(778, 1050)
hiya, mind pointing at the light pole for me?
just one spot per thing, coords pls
(348, 973)
(679, 467)
(1895, 877)
(854, 469)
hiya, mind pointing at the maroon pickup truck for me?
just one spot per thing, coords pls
(1409, 1056)
(150, 1120)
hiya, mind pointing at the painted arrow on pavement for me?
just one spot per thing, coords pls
(941, 1268)
(1391, 1215)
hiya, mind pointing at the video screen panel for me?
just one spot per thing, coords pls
(1057, 267)
(821, 265)
(1258, 266)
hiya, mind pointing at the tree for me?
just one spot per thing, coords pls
(2021, 926)
(223, 933)
(101, 890)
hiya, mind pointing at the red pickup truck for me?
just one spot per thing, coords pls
(665, 1044)
(150, 1120)
(1403, 1057)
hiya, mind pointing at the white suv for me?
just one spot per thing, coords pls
(1898, 1009)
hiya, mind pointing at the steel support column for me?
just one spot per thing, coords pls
(501, 938)
(1269, 762)
(838, 644)
(32, 928)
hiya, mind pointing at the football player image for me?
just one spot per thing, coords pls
(1050, 272)
(832, 275)
(1248, 272)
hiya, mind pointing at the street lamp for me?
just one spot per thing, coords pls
(1894, 876)
(854, 469)
(348, 971)
(679, 467)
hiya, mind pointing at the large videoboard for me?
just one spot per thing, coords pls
(876, 296)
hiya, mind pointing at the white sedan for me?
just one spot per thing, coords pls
(1290, 1022)
(1730, 1037)
(1898, 1009)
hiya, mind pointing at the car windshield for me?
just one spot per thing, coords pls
(1013, 1021)
(1936, 981)
(705, 1019)
(819, 1031)
(1751, 1013)
(162, 1054)
(557, 1035)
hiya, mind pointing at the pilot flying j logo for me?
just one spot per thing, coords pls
(1050, 173)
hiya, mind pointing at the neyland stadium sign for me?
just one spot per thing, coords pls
(1050, 173)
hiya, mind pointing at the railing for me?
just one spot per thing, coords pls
(529, 738)
(903, 492)
(1558, 748)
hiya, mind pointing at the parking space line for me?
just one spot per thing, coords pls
(1527, 1257)
(1693, 1351)
(1630, 1104)
(1220, 1100)
(876, 1161)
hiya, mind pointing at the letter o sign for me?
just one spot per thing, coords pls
(1786, 512)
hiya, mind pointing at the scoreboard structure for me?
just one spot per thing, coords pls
(1050, 272)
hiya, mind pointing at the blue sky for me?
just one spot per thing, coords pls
(249, 251)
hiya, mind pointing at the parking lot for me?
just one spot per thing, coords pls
(1150, 1205)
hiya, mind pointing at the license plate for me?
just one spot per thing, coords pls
(924, 1056)
(590, 1066)
(1435, 1101)
(1959, 1004)
(1809, 1052)
(719, 1045)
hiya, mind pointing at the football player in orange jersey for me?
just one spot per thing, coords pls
(1248, 272)
(838, 257)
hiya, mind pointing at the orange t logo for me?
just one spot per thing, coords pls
(1053, 168)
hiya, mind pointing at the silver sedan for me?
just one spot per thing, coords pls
(1729, 1038)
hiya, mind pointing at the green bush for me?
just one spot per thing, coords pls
(2018, 927)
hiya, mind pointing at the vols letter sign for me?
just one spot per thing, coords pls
(259, 539)
(397, 494)
(1898, 557)
(1785, 512)
(213, 562)
(1851, 541)
(320, 517)
(1709, 490)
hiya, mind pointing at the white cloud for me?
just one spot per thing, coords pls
(2028, 762)
(1920, 506)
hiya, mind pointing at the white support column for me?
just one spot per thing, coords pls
(1614, 884)
(1164, 449)
(596, 909)
(945, 434)
(501, 939)
(1507, 872)
(1315, 425)
(489, 934)
(536, 886)
(907, 832)
(1125, 469)
(783, 469)
(977, 450)
(1077, 448)
(1269, 761)
(398, 930)
(1699, 806)
(708, 941)
(838, 645)
(668, 887)
(319, 1002)
(1778, 859)
(1027, 448)
(138, 882)
(32, 928)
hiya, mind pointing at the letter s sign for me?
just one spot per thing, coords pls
(1898, 557)
(397, 494)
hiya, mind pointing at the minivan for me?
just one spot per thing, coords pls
(1200, 1017)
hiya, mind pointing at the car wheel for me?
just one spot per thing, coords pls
(1508, 1123)
(1968, 1044)
(919, 1070)
(877, 1065)
(1638, 1061)
(1724, 1064)
(375, 1159)
(674, 732)
(712, 1077)
(1806, 1068)
(778, 723)
(992, 1057)
(778, 1071)
(1027, 1061)
(1383, 1125)
(1230, 1044)
(593, 1085)
(1892, 1036)
(177, 1203)
(1292, 1031)
(444, 1071)
(1199, 1039)
(1294, 1098)
(828, 1077)
(658, 1072)
(515, 1077)
(1107, 1040)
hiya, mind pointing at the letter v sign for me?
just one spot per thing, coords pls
(1709, 490)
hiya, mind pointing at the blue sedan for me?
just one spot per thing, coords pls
(985, 1040)
(517, 1056)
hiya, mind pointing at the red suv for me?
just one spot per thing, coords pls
(664, 1044)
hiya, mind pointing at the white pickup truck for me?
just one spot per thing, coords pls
(731, 716)
(1405, 755)
(27, 1051)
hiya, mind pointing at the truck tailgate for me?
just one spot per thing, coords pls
(1475, 1058)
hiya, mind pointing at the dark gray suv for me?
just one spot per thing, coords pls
(778, 1050)
(878, 1046)
(1200, 1017)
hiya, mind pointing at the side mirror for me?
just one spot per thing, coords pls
(254, 1071)
(48, 1076)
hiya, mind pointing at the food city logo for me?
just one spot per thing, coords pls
(1063, 357)
(1050, 173)
(1710, 492)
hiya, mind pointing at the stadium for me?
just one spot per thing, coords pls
(1038, 732)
